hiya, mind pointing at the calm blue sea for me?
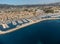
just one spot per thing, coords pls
(45, 32)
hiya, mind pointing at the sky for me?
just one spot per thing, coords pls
(23, 2)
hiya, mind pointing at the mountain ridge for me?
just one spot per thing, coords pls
(33, 5)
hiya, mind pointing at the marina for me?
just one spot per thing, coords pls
(13, 24)
(32, 21)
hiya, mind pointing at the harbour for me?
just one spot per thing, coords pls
(26, 23)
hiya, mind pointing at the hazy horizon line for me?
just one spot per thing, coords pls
(28, 4)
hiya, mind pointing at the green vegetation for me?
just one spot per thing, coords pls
(49, 11)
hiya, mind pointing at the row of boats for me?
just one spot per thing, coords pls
(13, 24)
(50, 16)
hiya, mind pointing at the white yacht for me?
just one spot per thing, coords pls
(19, 21)
(14, 23)
(24, 20)
(5, 26)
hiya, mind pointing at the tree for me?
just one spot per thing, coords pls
(49, 11)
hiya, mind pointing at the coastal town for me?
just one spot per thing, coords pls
(29, 21)
(14, 18)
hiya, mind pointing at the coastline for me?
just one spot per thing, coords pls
(24, 25)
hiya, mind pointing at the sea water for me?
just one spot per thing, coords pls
(44, 32)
